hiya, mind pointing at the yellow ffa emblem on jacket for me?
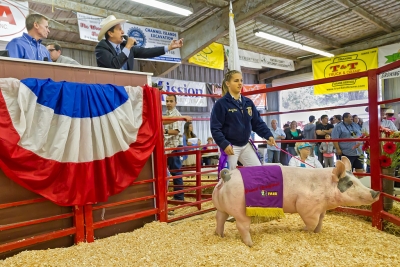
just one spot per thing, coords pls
(232, 110)
(250, 111)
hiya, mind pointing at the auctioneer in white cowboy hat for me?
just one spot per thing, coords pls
(108, 23)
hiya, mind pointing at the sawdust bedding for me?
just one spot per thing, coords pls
(344, 241)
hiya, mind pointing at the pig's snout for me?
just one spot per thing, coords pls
(374, 194)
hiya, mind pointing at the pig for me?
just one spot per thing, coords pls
(309, 192)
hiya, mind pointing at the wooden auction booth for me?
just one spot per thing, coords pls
(28, 221)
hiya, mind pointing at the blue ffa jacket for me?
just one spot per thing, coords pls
(231, 124)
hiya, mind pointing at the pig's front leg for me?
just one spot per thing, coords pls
(243, 226)
(319, 226)
(310, 218)
(221, 218)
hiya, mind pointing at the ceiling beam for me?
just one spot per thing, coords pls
(364, 44)
(257, 49)
(101, 12)
(306, 33)
(157, 68)
(217, 25)
(216, 3)
(365, 14)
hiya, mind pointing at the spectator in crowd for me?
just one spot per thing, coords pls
(321, 130)
(383, 122)
(304, 159)
(309, 132)
(29, 45)
(284, 159)
(344, 130)
(55, 54)
(397, 122)
(318, 121)
(331, 121)
(172, 139)
(114, 53)
(274, 152)
(207, 159)
(390, 115)
(327, 150)
(188, 138)
(336, 119)
(357, 121)
(293, 133)
(233, 117)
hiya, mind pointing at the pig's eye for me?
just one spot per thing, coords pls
(349, 183)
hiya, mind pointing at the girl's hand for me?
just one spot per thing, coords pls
(189, 143)
(229, 150)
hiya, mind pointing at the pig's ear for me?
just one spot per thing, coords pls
(339, 171)
(346, 162)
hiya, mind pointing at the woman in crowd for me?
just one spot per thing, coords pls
(188, 139)
(304, 159)
(293, 133)
(233, 117)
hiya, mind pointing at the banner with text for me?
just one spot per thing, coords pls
(152, 37)
(12, 19)
(389, 54)
(187, 87)
(210, 57)
(276, 62)
(259, 100)
(341, 65)
(247, 59)
(89, 26)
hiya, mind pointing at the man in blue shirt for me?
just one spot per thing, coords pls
(29, 45)
(274, 152)
(348, 129)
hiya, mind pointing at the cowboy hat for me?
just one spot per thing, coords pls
(381, 105)
(107, 24)
(389, 111)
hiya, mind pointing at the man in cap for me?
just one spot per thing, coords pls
(384, 123)
(112, 52)
(390, 114)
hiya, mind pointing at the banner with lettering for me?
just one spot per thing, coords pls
(187, 87)
(259, 100)
(276, 62)
(152, 37)
(247, 59)
(389, 54)
(341, 65)
(210, 57)
(12, 19)
(89, 26)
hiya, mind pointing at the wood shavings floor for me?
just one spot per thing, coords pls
(344, 241)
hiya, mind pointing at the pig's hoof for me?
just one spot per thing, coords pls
(220, 235)
(231, 219)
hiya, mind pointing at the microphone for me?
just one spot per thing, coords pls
(46, 59)
(126, 39)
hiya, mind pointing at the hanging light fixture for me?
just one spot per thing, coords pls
(167, 7)
(280, 40)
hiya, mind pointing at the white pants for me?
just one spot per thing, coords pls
(245, 154)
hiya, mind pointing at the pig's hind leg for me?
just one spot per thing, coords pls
(243, 226)
(221, 218)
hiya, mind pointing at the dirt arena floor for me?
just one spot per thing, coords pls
(344, 241)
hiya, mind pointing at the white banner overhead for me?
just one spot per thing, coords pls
(89, 26)
(247, 59)
(151, 37)
(12, 19)
(389, 54)
(187, 87)
(276, 62)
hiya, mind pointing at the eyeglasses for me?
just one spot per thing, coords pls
(51, 50)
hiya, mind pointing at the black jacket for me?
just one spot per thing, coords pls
(289, 136)
(107, 57)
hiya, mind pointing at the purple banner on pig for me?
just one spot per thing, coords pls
(263, 186)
